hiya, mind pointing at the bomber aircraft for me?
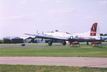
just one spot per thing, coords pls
(63, 37)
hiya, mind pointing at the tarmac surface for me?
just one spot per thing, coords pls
(56, 61)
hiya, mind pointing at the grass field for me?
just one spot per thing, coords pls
(33, 68)
(55, 50)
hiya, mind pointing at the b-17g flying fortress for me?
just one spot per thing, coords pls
(53, 36)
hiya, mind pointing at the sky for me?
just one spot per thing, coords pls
(29, 16)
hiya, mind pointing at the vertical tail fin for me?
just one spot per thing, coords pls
(93, 31)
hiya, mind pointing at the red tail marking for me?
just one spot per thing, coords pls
(93, 29)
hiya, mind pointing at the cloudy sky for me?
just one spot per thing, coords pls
(29, 16)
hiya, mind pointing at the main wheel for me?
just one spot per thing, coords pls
(64, 43)
(50, 43)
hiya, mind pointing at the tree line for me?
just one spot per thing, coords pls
(13, 40)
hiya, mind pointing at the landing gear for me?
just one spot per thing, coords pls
(87, 43)
(50, 43)
(64, 43)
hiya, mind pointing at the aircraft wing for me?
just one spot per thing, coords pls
(45, 36)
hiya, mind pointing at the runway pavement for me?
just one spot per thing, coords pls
(58, 61)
